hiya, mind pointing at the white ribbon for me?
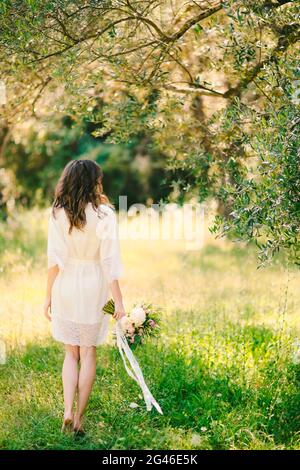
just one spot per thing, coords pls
(135, 372)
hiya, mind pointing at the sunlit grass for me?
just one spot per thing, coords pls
(222, 369)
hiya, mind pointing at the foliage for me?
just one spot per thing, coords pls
(265, 199)
(197, 79)
(36, 160)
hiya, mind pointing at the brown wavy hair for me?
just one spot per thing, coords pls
(79, 184)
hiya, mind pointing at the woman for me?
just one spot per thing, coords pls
(83, 264)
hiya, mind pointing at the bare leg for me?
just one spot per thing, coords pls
(70, 378)
(86, 380)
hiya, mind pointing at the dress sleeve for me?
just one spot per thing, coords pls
(56, 247)
(110, 255)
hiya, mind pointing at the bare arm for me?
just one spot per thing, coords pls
(52, 273)
(118, 299)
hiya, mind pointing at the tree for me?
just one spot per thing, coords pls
(196, 76)
(264, 194)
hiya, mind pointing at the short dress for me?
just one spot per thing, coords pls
(88, 261)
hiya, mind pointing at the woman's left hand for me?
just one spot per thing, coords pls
(47, 308)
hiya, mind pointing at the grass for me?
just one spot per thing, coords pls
(222, 370)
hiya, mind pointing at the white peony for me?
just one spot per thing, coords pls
(138, 316)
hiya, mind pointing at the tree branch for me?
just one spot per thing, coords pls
(284, 42)
(192, 21)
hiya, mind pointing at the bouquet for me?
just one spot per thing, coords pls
(142, 321)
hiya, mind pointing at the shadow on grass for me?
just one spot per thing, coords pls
(199, 398)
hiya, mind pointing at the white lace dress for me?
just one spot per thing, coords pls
(88, 261)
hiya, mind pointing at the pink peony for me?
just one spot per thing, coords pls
(126, 325)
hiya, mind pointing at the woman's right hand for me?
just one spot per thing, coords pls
(119, 312)
(47, 308)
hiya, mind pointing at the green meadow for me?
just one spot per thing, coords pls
(224, 369)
